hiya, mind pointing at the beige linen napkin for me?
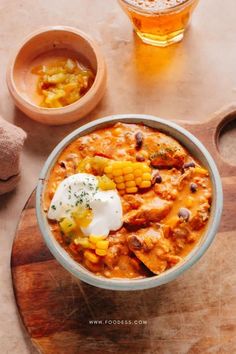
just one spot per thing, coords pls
(11, 143)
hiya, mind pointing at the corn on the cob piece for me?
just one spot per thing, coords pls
(128, 175)
(105, 183)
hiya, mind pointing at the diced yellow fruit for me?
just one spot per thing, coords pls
(64, 75)
(147, 176)
(82, 216)
(67, 225)
(70, 65)
(105, 183)
(96, 238)
(127, 170)
(83, 241)
(90, 256)
(101, 252)
(69, 87)
(129, 177)
(145, 184)
(119, 179)
(138, 173)
(130, 184)
(57, 78)
(120, 186)
(102, 244)
(117, 172)
(132, 190)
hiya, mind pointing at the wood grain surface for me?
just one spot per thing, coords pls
(196, 313)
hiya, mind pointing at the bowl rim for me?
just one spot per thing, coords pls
(99, 75)
(129, 284)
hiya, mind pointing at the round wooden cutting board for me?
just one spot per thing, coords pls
(196, 313)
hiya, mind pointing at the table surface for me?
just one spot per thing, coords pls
(187, 81)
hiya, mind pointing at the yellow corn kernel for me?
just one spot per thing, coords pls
(119, 179)
(145, 184)
(103, 245)
(83, 241)
(146, 176)
(201, 171)
(120, 186)
(67, 225)
(129, 177)
(127, 170)
(138, 180)
(90, 256)
(117, 172)
(146, 168)
(96, 238)
(130, 184)
(132, 190)
(105, 183)
(108, 169)
(138, 173)
(82, 217)
(101, 252)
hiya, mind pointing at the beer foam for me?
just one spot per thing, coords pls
(155, 5)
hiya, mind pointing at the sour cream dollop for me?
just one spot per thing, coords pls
(81, 190)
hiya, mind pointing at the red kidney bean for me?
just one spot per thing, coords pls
(134, 242)
(184, 214)
(193, 187)
(139, 140)
(156, 178)
(189, 164)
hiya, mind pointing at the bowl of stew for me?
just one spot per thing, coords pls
(129, 202)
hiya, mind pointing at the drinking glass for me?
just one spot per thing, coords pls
(159, 22)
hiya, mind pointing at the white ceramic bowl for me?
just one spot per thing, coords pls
(196, 149)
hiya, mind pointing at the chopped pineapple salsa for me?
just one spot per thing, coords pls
(62, 82)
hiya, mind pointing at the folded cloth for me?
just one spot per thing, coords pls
(11, 143)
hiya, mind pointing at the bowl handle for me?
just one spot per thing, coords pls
(209, 131)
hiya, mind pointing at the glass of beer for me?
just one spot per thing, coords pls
(159, 22)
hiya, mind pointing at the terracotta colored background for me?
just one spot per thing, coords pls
(187, 81)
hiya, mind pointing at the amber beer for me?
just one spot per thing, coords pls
(159, 22)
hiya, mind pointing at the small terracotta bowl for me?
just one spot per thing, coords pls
(34, 49)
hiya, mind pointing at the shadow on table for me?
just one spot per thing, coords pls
(43, 138)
